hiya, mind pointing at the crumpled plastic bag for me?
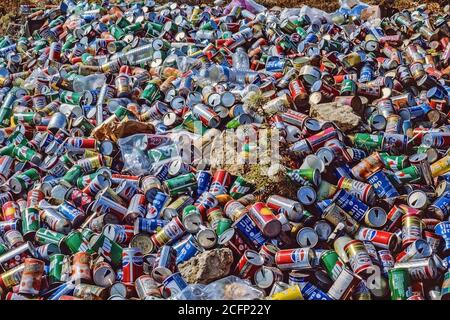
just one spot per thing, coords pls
(228, 288)
(134, 151)
(250, 5)
(352, 7)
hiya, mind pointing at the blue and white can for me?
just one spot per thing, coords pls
(382, 185)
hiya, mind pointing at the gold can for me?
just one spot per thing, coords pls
(440, 167)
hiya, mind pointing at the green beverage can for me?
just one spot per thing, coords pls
(75, 242)
(123, 22)
(181, 184)
(156, 26)
(7, 150)
(240, 188)
(47, 236)
(369, 142)
(332, 263)
(133, 28)
(24, 153)
(3, 248)
(399, 284)
(110, 250)
(302, 32)
(73, 174)
(150, 93)
(445, 288)
(394, 162)
(71, 97)
(190, 124)
(223, 225)
(56, 267)
(30, 223)
(348, 88)
(22, 181)
(189, 210)
(117, 32)
(408, 174)
(18, 139)
(310, 174)
(83, 123)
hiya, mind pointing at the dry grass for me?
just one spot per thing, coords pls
(9, 8)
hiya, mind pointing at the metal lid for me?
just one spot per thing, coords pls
(143, 242)
(307, 237)
(264, 277)
(307, 195)
(254, 257)
(323, 230)
(207, 238)
(227, 99)
(376, 217)
(417, 199)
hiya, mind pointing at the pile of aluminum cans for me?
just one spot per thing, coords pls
(85, 216)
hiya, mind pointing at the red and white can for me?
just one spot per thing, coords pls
(296, 259)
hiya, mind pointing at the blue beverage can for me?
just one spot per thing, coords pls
(367, 73)
(322, 205)
(175, 283)
(382, 185)
(311, 292)
(443, 229)
(249, 231)
(162, 173)
(155, 208)
(441, 206)
(343, 171)
(350, 204)
(63, 289)
(71, 213)
(204, 179)
(357, 154)
(186, 249)
(148, 225)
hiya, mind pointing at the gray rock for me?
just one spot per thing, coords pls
(207, 266)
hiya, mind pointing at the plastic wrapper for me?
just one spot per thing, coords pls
(352, 7)
(249, 5)
(229, 288)
(135, 151)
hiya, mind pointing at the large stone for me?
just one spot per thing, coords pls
(342, 115)
(207, 266)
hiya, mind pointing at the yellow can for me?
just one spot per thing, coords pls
(440, 167)
(291, 293)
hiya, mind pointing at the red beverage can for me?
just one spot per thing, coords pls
(81, 267)
(11, 211)
(379, 238)
(30, 284)
(132, 264)
(249, 263)
(295, 259)
(220, 182)
(265, 220)
(34, 196)
(298, 93)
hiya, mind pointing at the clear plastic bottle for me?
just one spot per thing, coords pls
(90, 82)
(241, 60)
